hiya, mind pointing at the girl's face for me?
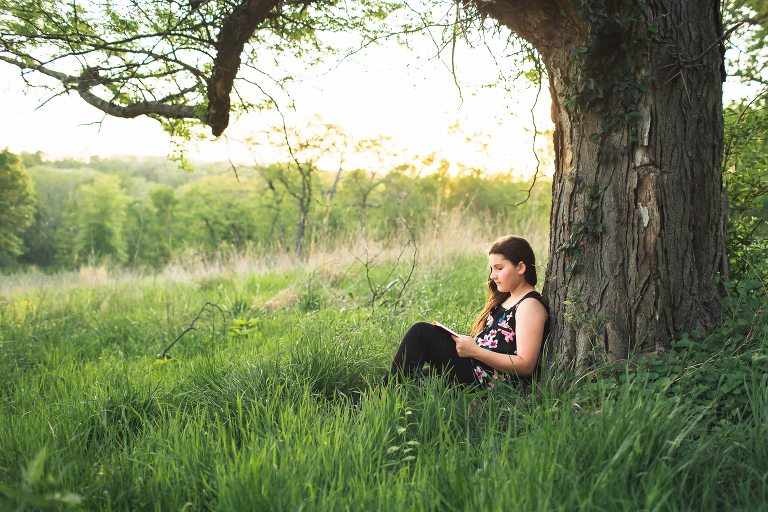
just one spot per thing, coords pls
(505, 274)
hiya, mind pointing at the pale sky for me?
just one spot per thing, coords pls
(386, 90)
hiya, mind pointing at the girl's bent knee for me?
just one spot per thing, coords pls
(423, 328)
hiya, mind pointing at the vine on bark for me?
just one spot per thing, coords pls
(585, 230)
(608, 74)
(576, 314)
(609, 71)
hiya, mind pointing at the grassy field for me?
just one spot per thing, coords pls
(254, 409)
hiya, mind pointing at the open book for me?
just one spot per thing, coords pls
(444, 327)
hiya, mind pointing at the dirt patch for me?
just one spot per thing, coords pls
(283, 299)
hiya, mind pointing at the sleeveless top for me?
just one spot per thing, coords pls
(498, 335)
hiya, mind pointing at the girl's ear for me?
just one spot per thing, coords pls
(521, 268)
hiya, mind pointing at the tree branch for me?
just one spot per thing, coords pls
(144, 108)
(62, 77)
(717, 41)
(236, 30)
(543, 24)
(90, 78)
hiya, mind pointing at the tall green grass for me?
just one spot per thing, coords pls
(255, 410)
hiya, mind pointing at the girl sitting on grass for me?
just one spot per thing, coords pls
(507, 337)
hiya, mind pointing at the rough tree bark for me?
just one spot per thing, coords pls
(653, 268)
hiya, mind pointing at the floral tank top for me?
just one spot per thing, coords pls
(499, 336)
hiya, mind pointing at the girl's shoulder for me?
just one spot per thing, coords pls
(533, 294)
(537, 306)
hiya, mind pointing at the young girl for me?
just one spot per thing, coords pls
(507, 337)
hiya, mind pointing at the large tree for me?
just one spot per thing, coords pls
(637, 221)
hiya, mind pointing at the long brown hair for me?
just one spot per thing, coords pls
(514, 249)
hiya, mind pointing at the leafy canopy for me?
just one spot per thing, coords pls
(177, 61)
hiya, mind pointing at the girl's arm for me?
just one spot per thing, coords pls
(529, 329)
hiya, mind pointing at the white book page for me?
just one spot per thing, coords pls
(447, 329)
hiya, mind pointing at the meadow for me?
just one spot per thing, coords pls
(271, 402)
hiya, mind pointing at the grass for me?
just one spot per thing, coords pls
(254, 410)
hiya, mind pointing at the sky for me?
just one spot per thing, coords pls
(390, 90)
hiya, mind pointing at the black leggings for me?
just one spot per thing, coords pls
(426, 343)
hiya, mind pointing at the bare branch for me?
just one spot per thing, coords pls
(540, 70)
(191, 327)
(379, 290)
(717, 41)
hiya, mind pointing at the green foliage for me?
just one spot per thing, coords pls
(17, 202)
(100, 208)
(150, 170)
(745, 166)
(49, 239)
(38, 492)
(585, 230)
(221, 212)
(163, 200)
(32, 159)
(725, 372)
(750, 19)
(735, 356)
(745, 173)
(576, 315)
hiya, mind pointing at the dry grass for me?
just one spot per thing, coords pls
(93, 276)
(453, 235)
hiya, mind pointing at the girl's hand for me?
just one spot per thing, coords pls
(465, 345)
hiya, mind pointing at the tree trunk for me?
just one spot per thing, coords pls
(300, 232)
(649, 275)
(363, 205)
(331, 193)
(303, 209)
(170, 235)
(212, 233)
(238, 240)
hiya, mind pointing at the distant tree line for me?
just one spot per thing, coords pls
(146, 212)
